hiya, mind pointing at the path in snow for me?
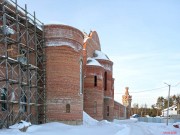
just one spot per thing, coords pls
(134, 129)
(139, 129)
(142, 128)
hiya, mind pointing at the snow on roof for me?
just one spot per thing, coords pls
(91, 61)
(100, 55)
(171, 107)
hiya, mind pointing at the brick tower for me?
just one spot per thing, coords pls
(64, 62)
(98, 83)
(93, 89)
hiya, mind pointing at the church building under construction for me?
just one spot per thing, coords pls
(53, 72)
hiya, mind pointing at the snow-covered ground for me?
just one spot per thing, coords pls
(94, 127)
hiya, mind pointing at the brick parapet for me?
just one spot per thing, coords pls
(63, 35)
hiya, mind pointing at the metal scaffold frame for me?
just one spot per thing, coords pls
(22, 66)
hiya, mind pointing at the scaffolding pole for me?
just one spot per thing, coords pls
(22, 66)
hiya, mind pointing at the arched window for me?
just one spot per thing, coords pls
(105, 81)
(81, 77)
(4, 98)
(95, 80)
(68, 108)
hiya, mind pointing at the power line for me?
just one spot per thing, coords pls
(145, 90)
(176, 84)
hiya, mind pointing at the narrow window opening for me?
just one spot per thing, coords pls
(105, 81)
(68, 108)
(95, 81)
(4, 97)
(107, 110)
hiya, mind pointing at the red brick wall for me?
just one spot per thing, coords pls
(94, 95)
(110, 81)
(119, 111)
(95, 37)
(64, 32)
(108, 102)
(92, 44)
(84, 61)
(63, 73)
(109, 92)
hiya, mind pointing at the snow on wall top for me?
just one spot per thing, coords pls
(58, 42)
(171, 107)
(65, 26)
(91, 61)
(100, 55)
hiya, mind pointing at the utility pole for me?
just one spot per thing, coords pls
(168, 102)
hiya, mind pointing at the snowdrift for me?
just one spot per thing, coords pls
(22, 126)
(88, 120)
(93, 127)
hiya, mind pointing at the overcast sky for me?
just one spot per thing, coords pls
(141, 37)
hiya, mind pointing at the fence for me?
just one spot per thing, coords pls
(158, 120)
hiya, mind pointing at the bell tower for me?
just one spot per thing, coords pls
(126, 99)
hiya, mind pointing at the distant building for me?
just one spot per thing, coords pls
(172, 111)
(126, 100)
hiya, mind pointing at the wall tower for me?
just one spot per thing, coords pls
(64, 71)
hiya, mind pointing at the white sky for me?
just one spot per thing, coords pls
(141, 38)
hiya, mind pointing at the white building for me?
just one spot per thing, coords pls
(172, 111)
